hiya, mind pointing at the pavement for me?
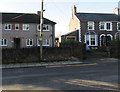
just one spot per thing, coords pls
(63, 63)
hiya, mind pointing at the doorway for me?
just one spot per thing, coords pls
(16, 42)
(105, 40)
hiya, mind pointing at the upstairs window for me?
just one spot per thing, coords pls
(3, 42)
(102, 25)
(26, 27)
(108, 26)
(45, 27)
(8, 27)
(118, 26)
(38, 27)
(16, 26)
(90, 25)
(105, 26)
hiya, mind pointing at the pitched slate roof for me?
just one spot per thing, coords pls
(71, 33)
(23, 18)
(97, 17)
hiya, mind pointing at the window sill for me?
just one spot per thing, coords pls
(92, 45)
(90, 29)
(44, 45)
(7, 29)
(29, 45)
(4, 45)
(108, 30)
(44, 30)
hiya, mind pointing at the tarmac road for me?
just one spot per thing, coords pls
(94, 76)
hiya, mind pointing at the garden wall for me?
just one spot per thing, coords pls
(50, 54)
(114, 49)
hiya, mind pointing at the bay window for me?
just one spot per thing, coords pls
(91, 39)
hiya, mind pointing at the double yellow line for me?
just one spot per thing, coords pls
(70, 65)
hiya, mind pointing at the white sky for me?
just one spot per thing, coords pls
(58, 10)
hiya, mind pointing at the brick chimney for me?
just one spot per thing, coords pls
(116, 10)
(119, 8)
(74, 10)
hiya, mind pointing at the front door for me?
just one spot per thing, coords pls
(16, 42)
(105, 40)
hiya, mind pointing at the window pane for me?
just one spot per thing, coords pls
(108, 25)
(27, 41)
(2, 41)
(118, 26)
(30, 41)
(5, 42)
(47, 42)
(16, 26)
(102, 25)
(91, 25)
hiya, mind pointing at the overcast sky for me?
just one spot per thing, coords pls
(59, 11)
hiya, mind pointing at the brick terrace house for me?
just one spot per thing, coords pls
(21, 30)
(94, 29)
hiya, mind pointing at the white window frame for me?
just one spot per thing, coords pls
(105, 26)
(89, 40)
(46, 42)
(48, 27)
(110, 26)
(38, 27)
(38, 42)
(100, 24)
(44, 25)
(3, 41)
(28, 41)
(7, 25)
(91, 23)
(16, 25)
(118, 26)
(25, 27)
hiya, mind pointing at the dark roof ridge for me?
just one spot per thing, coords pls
(15, 13)
(95, 13)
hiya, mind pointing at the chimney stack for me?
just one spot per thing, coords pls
(74, 10)
(119, 8)
(116, 10)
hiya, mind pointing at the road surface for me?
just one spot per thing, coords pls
(102, 76)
